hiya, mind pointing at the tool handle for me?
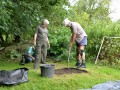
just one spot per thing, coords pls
(69, 56)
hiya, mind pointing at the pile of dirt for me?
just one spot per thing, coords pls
(69, 71)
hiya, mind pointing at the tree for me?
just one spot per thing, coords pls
(94, 9)
(5, 13)
(20, 17)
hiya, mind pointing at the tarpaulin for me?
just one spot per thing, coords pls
(13, 77)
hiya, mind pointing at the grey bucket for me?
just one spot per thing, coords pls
(47, 70)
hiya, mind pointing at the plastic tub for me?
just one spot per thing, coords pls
(47, 70)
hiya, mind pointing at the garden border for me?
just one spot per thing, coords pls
(101, 47)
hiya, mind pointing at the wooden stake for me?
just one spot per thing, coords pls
(99, 50)
(68, 56)
(101, 47)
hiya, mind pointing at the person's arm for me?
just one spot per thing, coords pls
(74, 32)
(31, 56)
(48, 42)
(35, 36)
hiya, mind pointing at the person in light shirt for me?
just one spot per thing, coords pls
(80, 37)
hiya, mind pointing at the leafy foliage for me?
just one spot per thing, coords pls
(13, 54)
(19, 18)
(59, 40)
(111, 51)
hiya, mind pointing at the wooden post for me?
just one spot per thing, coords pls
(101, 47)
(68, 56)
(99, 50)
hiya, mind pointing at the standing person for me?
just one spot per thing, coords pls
(29, 56)
(41, 43)
(78, 35)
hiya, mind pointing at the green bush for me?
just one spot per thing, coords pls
(110, 51)
(59, 39)
(13, 54)
(96, 31)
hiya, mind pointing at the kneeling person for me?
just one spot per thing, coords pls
(29, 56)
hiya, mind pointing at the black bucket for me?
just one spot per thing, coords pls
(47, 70)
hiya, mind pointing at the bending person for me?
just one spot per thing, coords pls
(80, 37)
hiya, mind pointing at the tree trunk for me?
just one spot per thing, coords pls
(6, 39)
(17, 38)
(2, 41)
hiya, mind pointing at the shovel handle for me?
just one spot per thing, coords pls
(69, 56)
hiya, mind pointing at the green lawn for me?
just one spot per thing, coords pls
(95, 75)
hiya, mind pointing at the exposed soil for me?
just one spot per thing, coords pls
(69, 71)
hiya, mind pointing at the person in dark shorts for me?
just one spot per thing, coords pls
(80, 37)
(29, 56)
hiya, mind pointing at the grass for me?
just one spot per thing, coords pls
(95, 75)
